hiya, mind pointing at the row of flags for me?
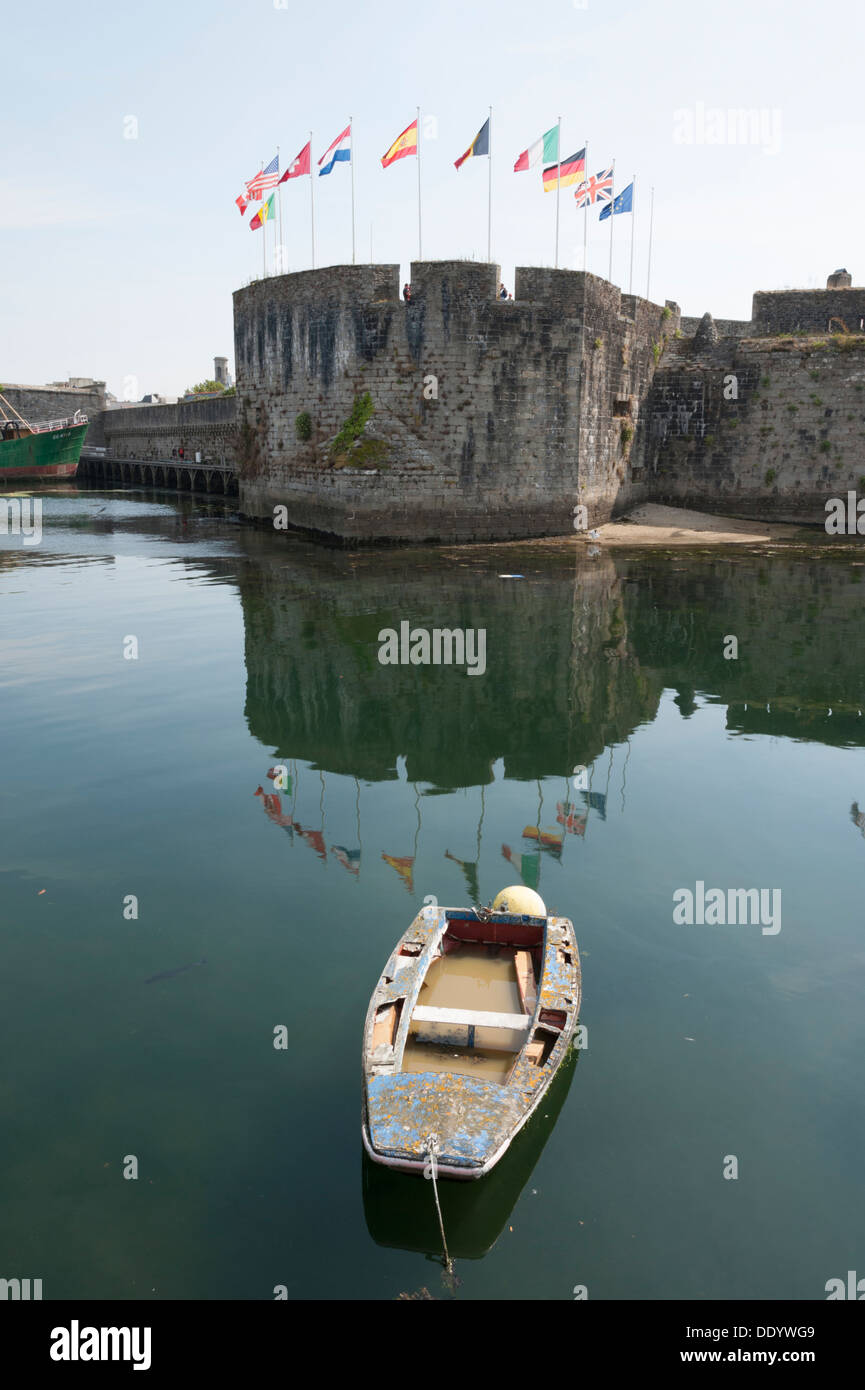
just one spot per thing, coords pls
(571, 817)
(556, 172)
(591, 190)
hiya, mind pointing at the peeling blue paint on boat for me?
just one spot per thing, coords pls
(472, 1119)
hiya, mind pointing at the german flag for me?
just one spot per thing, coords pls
(573, 170)
(403, 144)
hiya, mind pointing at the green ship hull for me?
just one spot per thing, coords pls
(48, 454)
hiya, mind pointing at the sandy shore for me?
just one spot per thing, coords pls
(651, 524)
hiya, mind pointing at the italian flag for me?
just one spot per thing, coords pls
(545, 150)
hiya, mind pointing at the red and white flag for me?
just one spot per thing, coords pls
(242, 204)
(299, 165)
(264, 179)
(597, 189)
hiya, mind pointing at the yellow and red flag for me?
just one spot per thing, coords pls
(265, 212)
(403, 144)
(404, 865)
(480, 145)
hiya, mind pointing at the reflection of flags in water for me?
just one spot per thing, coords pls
(470, 872)
(404, 866)
(274, 773)
(547, 839)
(574, 823)
(316, 839)
(596, 801)
(273, 809)
(528, 866)
(348, 858)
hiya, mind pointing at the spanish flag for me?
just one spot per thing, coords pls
(573, 170)
(403, 144)
(480, 144)
(404, 865)
(264, 213)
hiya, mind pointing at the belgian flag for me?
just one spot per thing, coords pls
(480, 144)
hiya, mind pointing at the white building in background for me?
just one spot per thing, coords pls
(221, 372)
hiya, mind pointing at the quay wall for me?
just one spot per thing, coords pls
(147, 432)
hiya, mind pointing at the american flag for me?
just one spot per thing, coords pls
(598, 189)
(266, 178)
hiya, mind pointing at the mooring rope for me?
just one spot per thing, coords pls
(432, 1148)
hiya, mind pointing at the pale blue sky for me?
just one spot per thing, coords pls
(120, 256)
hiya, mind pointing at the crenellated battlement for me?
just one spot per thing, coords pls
(457, 415)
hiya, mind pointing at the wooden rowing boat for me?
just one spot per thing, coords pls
(472, 1017)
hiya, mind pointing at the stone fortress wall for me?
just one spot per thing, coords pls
(488, 419)
(769, 424)
(206, 427)
(462, 417)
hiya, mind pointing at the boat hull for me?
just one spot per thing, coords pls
(47, 454)
(471, 1118)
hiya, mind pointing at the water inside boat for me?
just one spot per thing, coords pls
(482, 980)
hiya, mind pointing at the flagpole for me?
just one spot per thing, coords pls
(490, 189)
(279, 264)
(311, 200)
(351, 153)
(263, 244)
(419, 230)
(633, 223)
(558, 185)
(651, 224)
(586, 213)
(612, 218)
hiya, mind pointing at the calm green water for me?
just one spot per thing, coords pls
(124, 777)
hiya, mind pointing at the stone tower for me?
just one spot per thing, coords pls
(839, 280)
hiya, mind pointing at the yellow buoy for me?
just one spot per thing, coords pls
(520, 900)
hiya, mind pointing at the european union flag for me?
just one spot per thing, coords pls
(623, 203)
(596, 801)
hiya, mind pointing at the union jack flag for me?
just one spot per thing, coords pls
(598, 189)
(264, 179)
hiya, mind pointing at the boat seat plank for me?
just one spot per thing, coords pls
(525, 969)
(425, 1013)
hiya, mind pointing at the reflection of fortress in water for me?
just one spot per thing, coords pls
(576, 661)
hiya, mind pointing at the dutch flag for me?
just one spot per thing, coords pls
(339, 150)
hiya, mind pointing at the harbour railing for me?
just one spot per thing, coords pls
(45, 425)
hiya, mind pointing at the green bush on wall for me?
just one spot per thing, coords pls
(303, 425)
(355, 424)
